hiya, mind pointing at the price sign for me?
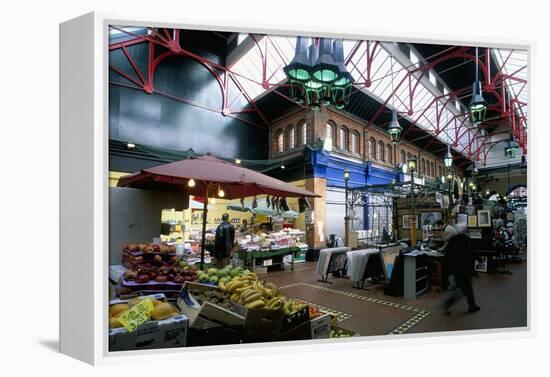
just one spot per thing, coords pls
(268, 262)
(138, 314)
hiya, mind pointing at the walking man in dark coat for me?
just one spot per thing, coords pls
(459, 262)
(224, 241)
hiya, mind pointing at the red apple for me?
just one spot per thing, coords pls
(161, 279)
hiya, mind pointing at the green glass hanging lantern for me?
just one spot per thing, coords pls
(298, 69)
(298, 91)
(512, 148)
(341, 88)
(317, 74)
(478, 106)
(448, 159)
(313, 94)
(325, 69)
(475, 170)
(394, 130)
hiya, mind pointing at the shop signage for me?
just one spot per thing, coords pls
(268, 262)
(136, 315)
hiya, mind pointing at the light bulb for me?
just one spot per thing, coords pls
(191, 183)
(221, 193)
(237, 161)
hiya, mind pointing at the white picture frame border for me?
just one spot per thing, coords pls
(84, 180)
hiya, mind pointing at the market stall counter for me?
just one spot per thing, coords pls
(250, 257)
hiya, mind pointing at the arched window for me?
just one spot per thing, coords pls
(403, 157)
(303, 132)
(390, 154)
(355, 142)
(372, 149)
(291, 137)
(343, 140)
(433, 169)
(381, 151)
(331, 132)
(280, 141)
(422, 167)
(440, 171)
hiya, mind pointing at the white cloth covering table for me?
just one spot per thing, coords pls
(358, 261)
(331, 260)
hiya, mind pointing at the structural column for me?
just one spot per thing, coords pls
(316, 227)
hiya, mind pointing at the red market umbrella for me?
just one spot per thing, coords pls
(207, 176)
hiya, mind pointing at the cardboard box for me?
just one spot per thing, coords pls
(349, 332)
(171, 332)
(189, 306)
(300, 332)
(262, 324)
(320, 327)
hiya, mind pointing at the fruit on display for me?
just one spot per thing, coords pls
(339, 333)
(114, 323)
(292, 306)
(117, 309)
(143, 278)
(149, 248)
(314, 311)
(217, 276)
(160, 272)
(161, 310)
(247, 290)
(213, 296)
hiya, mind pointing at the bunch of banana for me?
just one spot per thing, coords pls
(238, 282)
(290, 307)
(254, 294)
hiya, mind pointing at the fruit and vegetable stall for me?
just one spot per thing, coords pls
(215, 306)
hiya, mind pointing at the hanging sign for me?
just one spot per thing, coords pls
(138, 314)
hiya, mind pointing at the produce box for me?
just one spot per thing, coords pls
(171, 332)
(296, 319)
(300, 332)
(215, 336)
(167, 333)
(340, 332)
(262, 324)
(189, 305)
(125, 293)
(320, 327)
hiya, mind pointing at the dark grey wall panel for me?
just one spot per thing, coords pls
(162, 122)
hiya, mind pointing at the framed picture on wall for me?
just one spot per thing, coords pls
(407, 222)
(430, 218)
(483, 218)
(462, 219)
(472, 221)
(480, 264)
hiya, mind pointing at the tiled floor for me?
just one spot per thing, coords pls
(502, 298)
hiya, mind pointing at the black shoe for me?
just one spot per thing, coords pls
(474, 309)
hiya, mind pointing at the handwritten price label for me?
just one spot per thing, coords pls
(136, 315)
